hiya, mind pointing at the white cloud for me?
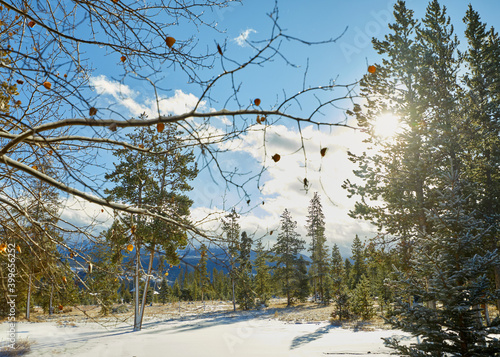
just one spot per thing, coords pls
(114, 88)
(179, 103)
(282, 184)
(243, 37)
(83, 214)
(135, 104)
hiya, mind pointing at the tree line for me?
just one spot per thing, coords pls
(352, 285)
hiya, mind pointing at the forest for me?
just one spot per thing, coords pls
(430, 186)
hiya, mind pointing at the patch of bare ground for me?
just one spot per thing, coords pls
(300, 312)
(311, 312)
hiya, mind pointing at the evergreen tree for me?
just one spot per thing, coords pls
(262, 281)
(194, 284)
(329, 292)
(286, 251)
(347, 269)
(125, 292)
(221, 284)
(319, 256)
(380, 264)
(217, 285)
(302, 289)
(42, 267)
(150, 297)
(395, 192)
(176, 289)
(482, 109)
(157, 179)
(447, 120)
(337, 272)
(342, 306)
(361, 302)
(244, 292)
(339, 284)
(451, 268)
(102, 280)
(358, 268)
(231, 228)
(164, 291)
(204, 278)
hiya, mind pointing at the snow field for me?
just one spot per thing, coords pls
(217, 336)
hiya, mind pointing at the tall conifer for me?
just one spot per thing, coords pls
(286, 251)
(262, 281)
(316, 232)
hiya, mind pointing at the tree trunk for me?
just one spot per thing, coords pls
(321, 292)
(234, 300)
(51, 309)
(137, 326)
(146, 286)
(28, 299)
(497, 283)
(479, 316)
(287, 292)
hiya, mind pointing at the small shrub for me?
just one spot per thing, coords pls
(342, 309)
(120, 309)
(21, 348)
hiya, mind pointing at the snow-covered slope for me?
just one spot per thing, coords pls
(211, 336)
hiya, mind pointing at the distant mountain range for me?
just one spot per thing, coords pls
(190, 257)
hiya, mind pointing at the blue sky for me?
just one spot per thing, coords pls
(345, 61)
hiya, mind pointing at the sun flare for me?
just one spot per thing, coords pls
(386, 125)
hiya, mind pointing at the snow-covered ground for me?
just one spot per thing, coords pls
(218, 335)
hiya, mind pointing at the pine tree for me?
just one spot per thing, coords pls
(157, 179)
(319, 256)
(337, 270)
(379, 267)
(329, 292)
(339, 284)
(358, 268)
(451, 268)
(286, 251)
(482, 109)
(217, 285)
(106, 258)
(231, 228)
(164, 291)
(204, 278)
(418, 82)
(103, 280)
(125, 292)
(244, 290)
(395, 192)
(262, 281)
(302, 290)
(176, 289)
(37, 242)
(447, 121)
(347, 269)
(361, 300)
(222, 284)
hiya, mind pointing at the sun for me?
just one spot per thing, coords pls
(386, 125)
